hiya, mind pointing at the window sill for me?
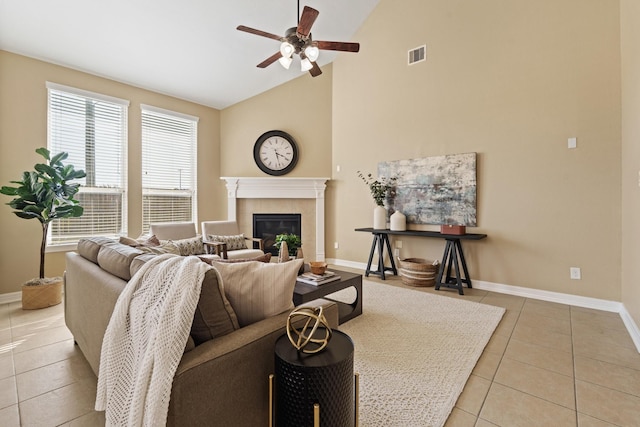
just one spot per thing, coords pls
(61, 248)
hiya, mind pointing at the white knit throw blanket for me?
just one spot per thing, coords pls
(145, 340)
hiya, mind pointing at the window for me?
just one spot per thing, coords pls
(92, 128)
(169, 146)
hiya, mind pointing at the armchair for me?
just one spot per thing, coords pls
(220, 236)
(173, 230)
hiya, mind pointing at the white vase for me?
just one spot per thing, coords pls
(398, 221)
(379, 218)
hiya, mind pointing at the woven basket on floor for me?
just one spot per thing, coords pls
(41, 296)
(418, 271)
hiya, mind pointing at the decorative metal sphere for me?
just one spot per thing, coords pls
(308, 339)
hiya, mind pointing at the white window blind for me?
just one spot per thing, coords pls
(92, 128)
(169, 146)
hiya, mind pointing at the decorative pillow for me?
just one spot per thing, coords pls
(257, 290)
(262, 258)
(233, 242)
(140, 241)
(167, 247)
(214, 316)
(190, 246)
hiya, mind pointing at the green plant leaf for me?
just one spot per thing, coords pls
(43, 152)
(26, 215)
(58, 158)
(9, 191)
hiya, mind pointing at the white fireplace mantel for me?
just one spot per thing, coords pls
(280, 188)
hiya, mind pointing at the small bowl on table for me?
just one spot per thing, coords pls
(318, 267)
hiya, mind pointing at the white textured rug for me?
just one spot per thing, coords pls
(414, 352)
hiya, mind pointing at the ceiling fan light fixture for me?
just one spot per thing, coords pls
(312, 52)
(285, 62)
(286, 49)
(305, 64)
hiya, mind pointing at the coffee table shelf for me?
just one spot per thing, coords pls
(304, 293)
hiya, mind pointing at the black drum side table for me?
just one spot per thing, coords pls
(315, 389)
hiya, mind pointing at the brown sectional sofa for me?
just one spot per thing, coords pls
(220, 381)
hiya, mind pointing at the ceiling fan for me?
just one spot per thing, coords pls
(298, 40)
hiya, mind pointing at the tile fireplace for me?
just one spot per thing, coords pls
(277, 195)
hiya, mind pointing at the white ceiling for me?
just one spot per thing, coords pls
(189, 49)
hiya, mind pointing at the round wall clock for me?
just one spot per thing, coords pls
(275, 152)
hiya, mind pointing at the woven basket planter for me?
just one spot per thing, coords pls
(418, 271)
(41, 296)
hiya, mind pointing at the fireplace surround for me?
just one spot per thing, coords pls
(296, 194)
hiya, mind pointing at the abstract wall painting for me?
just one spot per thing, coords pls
(434, 190)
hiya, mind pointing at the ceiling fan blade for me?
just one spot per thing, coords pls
(341, 46)
(307, 19)
(315, 71)
(270, 60)
(258, 32)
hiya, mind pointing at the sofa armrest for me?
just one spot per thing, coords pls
(225, 380)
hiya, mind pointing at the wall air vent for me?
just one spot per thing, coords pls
(418, 54)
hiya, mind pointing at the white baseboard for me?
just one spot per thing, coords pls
(632, 327)
(579, 301)
(10, 297)
(575, 300)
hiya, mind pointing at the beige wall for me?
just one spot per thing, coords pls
(630, 42)
(301, 107)
(510, 80)
(23, 128)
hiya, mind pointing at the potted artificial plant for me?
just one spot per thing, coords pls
(45, 194)
(292, 240)
(380, 189)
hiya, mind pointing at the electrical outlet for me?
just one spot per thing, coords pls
(575, 274)
(572, 143)
(336, 245)
(399, 244)
(396, 252)
(338, 168)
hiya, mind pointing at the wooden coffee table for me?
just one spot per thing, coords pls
(305, 293)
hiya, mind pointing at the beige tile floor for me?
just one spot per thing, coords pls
(547, 364)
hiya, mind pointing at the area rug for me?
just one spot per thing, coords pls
(414, 352)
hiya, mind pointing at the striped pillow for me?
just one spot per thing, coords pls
(257, 290)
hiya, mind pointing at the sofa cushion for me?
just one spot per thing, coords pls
(138, 262)
(214, 315)
(88, 248)
(190, 246)
(257, 290)
(233, 242)
(116, 258)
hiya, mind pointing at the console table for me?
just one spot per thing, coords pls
(452, 257)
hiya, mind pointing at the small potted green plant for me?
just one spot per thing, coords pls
(293, 242)
(45, 194)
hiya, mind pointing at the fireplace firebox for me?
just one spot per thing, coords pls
(267, 226)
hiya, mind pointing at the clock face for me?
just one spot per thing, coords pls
(275, 153)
